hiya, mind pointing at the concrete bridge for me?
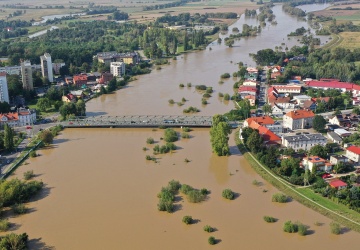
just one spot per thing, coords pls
(140, 121)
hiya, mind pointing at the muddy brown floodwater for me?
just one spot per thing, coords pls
(101, 192)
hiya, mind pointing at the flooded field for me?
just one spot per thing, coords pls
(101, 194)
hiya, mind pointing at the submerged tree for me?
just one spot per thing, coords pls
(219, 135)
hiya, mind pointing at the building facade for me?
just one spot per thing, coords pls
(320, 164)
(304, 141)
(26, 75)
(47, 67)
(353, 153)
(26, 117)
(4, 92)
(298, 119)
(117, 68)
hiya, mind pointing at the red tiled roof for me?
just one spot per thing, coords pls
(325, 99)
(314, 159)
(254, 125)
(300, 114)
(10, 116)
(2, 73)
(354, 149)
(268, 135)
(356, 87)
(330, 84)
(80, 78)
(275, 74)
(287, 87)
(247, 88)
(262, 120)
(250, 97)
(279, 99)
(337, 183)
(308, 103)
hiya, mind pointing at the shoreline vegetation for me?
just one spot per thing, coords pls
(305, 196)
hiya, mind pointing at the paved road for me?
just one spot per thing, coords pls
(7, 159)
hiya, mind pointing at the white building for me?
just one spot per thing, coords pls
(4, 92)
(26, 75)
(26, 117)
(300, 99)
(316, 162)
(353, 153)
(47, 67)
(298, 119)
(117, 68)
(303, 141)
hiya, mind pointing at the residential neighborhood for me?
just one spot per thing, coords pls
(285, 119)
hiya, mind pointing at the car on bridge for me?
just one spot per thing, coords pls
(170, 121)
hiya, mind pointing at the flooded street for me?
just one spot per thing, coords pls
(101, 191)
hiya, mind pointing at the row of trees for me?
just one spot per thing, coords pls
(219, 135)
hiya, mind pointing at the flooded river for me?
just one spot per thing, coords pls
(101, 192)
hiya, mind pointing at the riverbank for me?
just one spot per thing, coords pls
(305, 196)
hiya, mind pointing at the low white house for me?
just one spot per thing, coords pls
(303, 141)
(26, 117)
(311, 162)
(353, 153)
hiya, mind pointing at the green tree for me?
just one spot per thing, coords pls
(80, 108)
(8, 138)
(47, 137)
(267, 109)
(356, 111)
(67, 109)
(111, 85)
(14, 241)
(254, 142)
(4, 107)
(15, 86)
(219, 135)
(319, 123)
(318, 150)
(43, 104)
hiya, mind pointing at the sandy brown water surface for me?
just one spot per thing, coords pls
(101, 194)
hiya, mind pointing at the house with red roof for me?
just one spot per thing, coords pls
(353, 153)
(291, 89)
(330, 84)
(9, 118)
(338, 184)
(80, 80)
(298, 119)
(275, 74)
(320, 164)
(264, 121)
(69, 98)
(325, 99)
(251, 98)
(268, 136)
(247, 90)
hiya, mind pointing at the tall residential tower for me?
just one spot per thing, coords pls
(4, 93)
(46, 67)
(26, 75)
